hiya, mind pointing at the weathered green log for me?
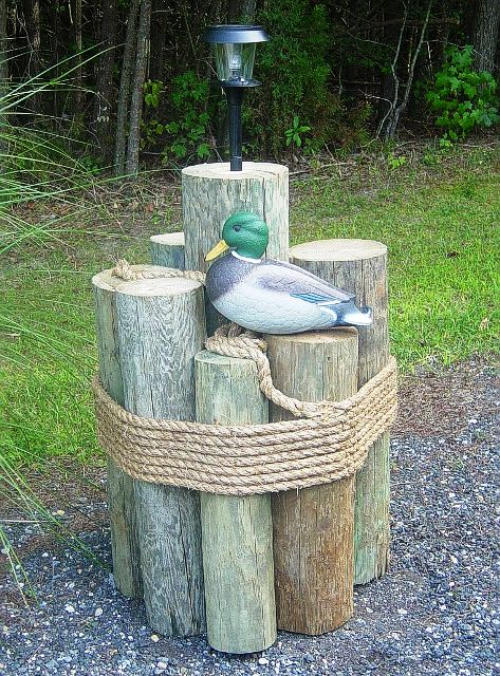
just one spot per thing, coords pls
(168, 250)
(360, 266)
(211, 193)
(313, 527)
(237, 532)
(124, 542)
(160, 330)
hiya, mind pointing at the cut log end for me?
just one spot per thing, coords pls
(338, 250)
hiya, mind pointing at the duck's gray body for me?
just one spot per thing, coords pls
(270, 296)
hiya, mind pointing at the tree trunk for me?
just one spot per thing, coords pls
(486, 34)
(124, 95)
(107, 17)
(137, 88)
(31, 10)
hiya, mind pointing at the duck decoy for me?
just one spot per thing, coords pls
(269, 296)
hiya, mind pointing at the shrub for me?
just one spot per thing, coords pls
(294, 69)
(462, 98)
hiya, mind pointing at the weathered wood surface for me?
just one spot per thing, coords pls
(160, 330)
(168, 250)
(360, 266)
(237, 531)
(211, 193)
(313, 527)
(124, 542)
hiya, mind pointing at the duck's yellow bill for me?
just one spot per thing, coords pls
(217, 250)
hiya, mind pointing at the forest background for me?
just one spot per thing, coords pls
(124, 82)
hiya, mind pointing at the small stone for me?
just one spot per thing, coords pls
(155, 638)
(69, 608)
(263, 661)
(162, 665)
(98, 612)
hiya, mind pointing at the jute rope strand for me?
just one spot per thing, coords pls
(327, 441)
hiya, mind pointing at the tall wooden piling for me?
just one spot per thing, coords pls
(360, 266)
(313, 527)
(168, 250)
(124, 542)
(160, 330)
(211, 193)
(237, 531)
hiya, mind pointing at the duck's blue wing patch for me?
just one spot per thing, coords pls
(315, 298)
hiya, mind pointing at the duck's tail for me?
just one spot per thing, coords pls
(350, 315)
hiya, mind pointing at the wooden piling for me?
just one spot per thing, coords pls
(313, 527)
(360, 266)
(168, 250)
(237, 531)
(160, 330)
(124, 542)
(211, 193)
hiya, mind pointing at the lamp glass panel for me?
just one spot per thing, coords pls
(234, 61)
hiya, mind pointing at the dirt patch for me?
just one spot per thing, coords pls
(443, 403)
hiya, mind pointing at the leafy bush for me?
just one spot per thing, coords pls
(185, 103)
(462, 98)
(294, 70)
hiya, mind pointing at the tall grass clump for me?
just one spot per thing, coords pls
(42, 182)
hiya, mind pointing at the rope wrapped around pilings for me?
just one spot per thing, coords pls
(327, 441)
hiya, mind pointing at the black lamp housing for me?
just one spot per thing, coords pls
(234, 47)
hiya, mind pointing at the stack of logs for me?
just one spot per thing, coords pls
(241, 567)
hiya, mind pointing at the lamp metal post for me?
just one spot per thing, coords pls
(234, 46)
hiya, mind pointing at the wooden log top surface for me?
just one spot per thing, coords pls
(170, 238)
(338, 250)
(158, 287)
(221, 170)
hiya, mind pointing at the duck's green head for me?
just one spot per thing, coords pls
(244, 232)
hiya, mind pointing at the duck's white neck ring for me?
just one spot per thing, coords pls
(244, 258)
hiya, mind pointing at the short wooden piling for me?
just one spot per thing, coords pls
(236, 531)
(160, 330)
(313, 527)
(360, 266)
(168, 250)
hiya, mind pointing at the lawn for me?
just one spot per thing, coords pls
(438, 214)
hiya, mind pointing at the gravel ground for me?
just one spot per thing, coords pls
(434, 613)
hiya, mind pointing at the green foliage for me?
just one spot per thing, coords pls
(294, 134)
(395, 161)
(294, 69)
(185, 135)
(462, 98)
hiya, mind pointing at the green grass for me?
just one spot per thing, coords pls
(439, 216)
(443, 238)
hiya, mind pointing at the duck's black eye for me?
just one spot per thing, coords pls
(236, 228)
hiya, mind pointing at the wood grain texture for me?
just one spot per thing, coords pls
(124, 540)
(160, 330)
(211, 193)
(313, 527)
(360, 266)
(237, 532)
(168, 250)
